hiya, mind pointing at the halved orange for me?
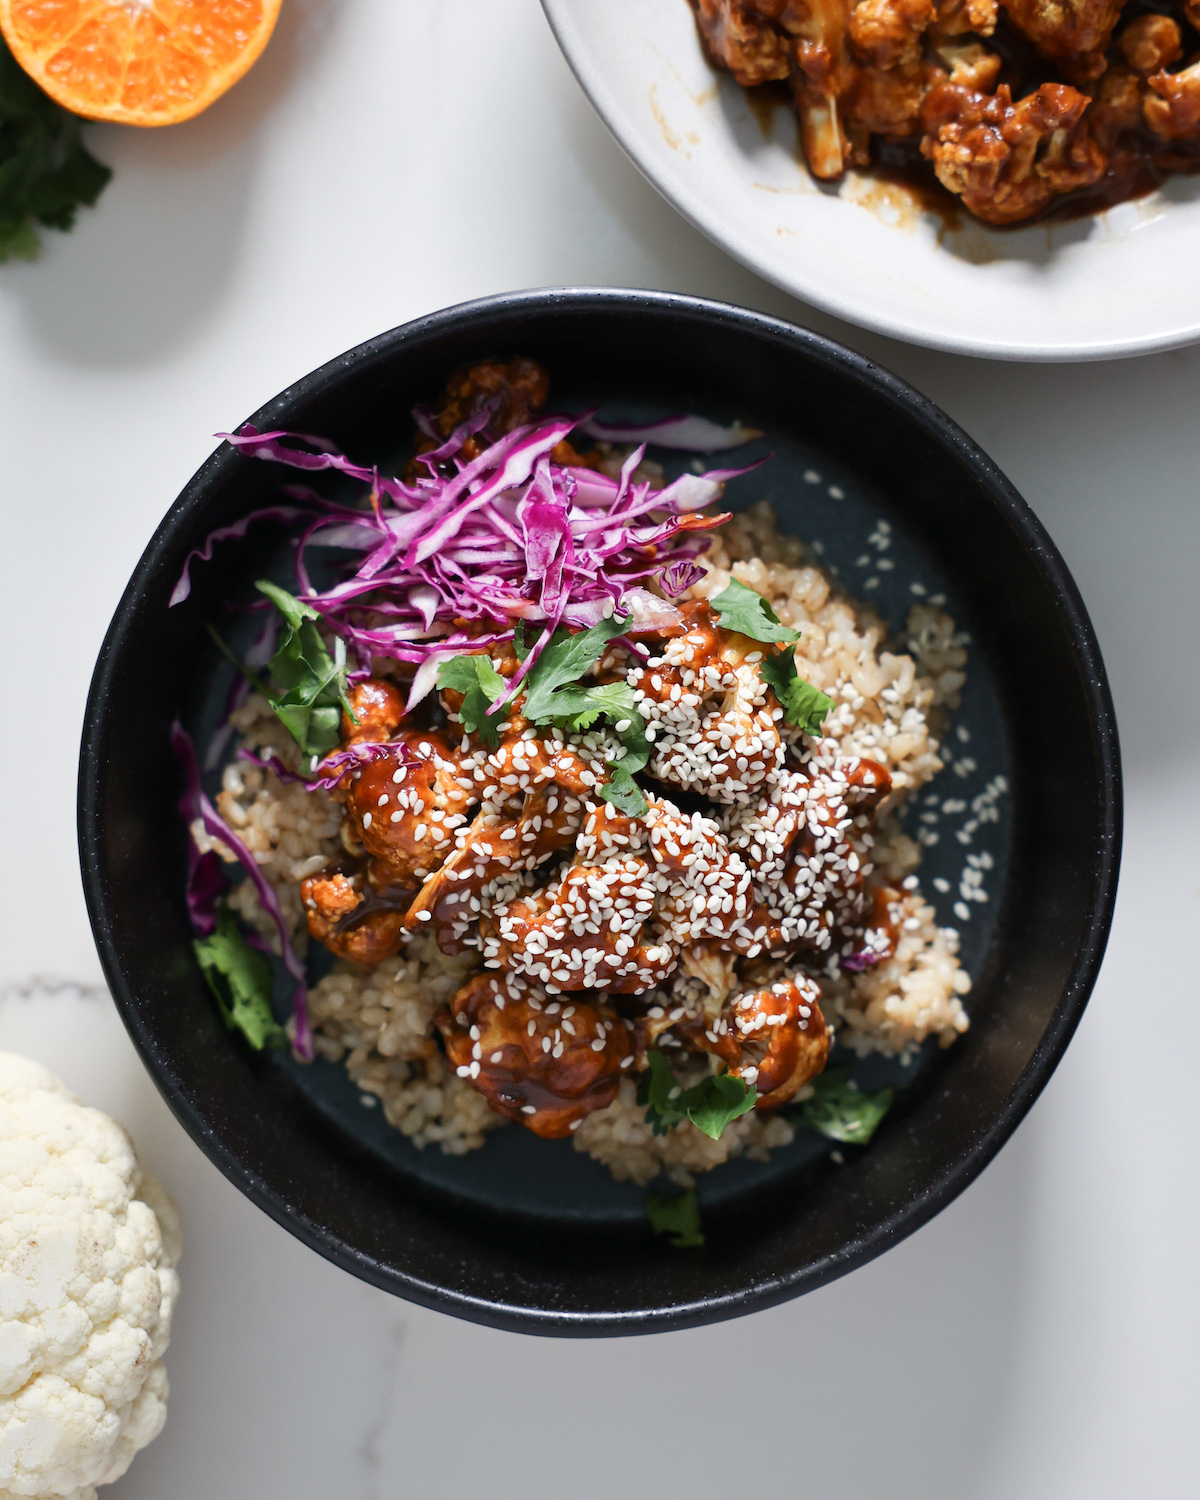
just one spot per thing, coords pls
(138, 62)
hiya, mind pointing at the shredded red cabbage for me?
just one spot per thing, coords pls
(269, 761)
(226, 534)
(206, 882)
(865, 958)
(334, 767)
(201, 898)
(450, 560)
(692, 434)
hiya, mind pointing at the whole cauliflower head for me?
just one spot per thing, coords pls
(88, 1248)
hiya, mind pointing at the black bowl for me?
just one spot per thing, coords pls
(542, 1242)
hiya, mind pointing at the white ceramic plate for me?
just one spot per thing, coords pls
(1121, 282)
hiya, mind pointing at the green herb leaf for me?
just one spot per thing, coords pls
(719, 1101)
(615, 701)
(633, 737)
(45, 172)
(840, 1110)
(746, 611)
(554, 695)
(658, 1089)
(476, 678)
(565, 659)
(312, 683)
(241, 979)
(711, 1105)
(578, 708)
(678, 1217)
(802, 704)
(623, 793)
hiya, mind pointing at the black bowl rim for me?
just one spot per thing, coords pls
(1043, 554)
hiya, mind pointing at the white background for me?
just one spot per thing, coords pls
(1038, 1339)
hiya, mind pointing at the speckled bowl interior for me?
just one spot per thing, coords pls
(533, 1235)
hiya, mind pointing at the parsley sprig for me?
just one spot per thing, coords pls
(840, 1110)
(45, 171)
(711, 1105)
(241, 979)
(555, 695)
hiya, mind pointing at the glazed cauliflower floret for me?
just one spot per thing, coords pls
(1173, 111)
(88, 1248)
(957, 17)
(967, 62)
(742, 41)
(887, 101)
(1150, 43)
(823, 72)
(1006, 160)
(888, 32)
(1073, 32)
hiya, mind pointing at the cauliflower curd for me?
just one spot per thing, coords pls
(88, 1248)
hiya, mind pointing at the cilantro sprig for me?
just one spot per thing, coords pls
(711, 1105)
(311, 684)
(552, 690)
(45, 171)
(241, 980)
(678, 1217)
(476, 678)
(623, 793)
(803, 705)
(840, 1110)
(555, 695)
(746, 611)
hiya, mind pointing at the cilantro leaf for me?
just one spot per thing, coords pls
(746, 611)
(312, 683)
(678, 1217)
(581, 707)
(564, 660)
(623, 793)
(840, 1110)
(802, 704)
(555, 695)
(637, 746)
(719, 1101)
(657, 1089)
(711, 1105)
(476, 678)
(578, 708)
(242, 982)
(45, 172)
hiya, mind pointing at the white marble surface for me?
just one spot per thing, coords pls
(1037, 1340)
